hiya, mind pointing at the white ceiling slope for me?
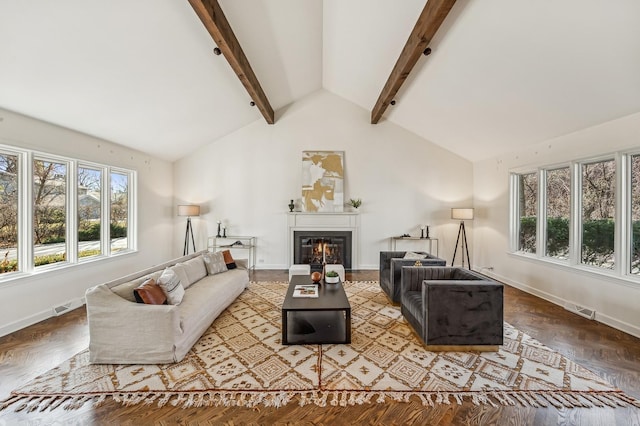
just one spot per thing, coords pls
(503, 73)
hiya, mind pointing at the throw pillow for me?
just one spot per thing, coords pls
(228, 259)
(149, 292)
(414, 256)
(171, 286)
(214, 263)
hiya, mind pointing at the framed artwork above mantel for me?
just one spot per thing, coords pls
(323, 181)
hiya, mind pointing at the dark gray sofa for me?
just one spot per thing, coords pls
(391, 263)
(450, 306)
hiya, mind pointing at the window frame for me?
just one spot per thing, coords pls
(25, 241)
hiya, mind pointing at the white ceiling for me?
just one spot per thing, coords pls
(503, 73)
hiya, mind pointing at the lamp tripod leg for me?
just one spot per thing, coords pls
(186, 239)
(193, 242)
(466, 247)
(457, 242)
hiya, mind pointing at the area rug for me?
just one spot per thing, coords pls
(240, 361)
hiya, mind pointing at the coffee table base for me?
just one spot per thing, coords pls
(316, 327)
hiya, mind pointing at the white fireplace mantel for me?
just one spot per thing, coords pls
(347, 221)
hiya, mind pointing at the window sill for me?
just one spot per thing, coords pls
(589, 271)
(15, 278)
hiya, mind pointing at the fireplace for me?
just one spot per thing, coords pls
(316, 248)
(339, 232)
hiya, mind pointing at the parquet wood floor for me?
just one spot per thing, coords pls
(610, 353)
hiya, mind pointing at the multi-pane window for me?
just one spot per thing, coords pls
(49, 212)
(89, 211)
(589, 213)
(598, 206)
(634, 252)
(558, 212)
(527, 212)
(119, 211)
(53, 211)
(9, 169)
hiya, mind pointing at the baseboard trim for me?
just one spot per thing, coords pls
(599, 316)
(26, 322)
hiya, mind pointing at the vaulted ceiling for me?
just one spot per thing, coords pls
(502, 73)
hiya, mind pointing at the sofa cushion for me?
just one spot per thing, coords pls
(180, 271)
(228, 259)
(125, 290)
(171, 285)
(214, 263)
(150, 293)
(195, 269)
(414, 256)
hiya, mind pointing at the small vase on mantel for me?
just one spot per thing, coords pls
(291, 206)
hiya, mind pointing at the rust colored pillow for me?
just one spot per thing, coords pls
(228, 259)
(150, 293)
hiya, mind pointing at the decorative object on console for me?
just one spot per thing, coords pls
(291, 206)
(322, 181)
(462, 214)
(218, 234)
(424, 231)
(224, 232)
(188, 210)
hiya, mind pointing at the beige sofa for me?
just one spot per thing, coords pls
(122, 331)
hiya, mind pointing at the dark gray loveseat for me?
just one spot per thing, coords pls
(450, 306)
(391, 263)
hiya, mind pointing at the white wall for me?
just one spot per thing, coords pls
(615, 301)
(30, 299)
(247, 178)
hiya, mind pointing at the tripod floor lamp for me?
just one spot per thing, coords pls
(462, 215)
(188, 210)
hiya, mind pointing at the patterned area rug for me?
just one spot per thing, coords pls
(240, 362)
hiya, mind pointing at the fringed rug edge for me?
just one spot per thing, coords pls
(342, 398)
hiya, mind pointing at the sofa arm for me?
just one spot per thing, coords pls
(121, 331)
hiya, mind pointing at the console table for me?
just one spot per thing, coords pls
(231, 242)
(428, 244)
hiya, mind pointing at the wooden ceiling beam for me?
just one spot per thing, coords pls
(216, 23)
(432, 16)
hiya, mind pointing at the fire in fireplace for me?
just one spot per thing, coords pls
(317, 248)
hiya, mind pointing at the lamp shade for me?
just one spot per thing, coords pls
(189, 210)
(462, 214)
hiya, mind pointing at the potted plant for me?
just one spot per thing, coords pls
(355, 203)
(331, 277)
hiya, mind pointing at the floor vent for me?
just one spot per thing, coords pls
(580, 310)
(66, 307)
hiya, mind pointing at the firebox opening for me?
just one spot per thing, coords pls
(316, 248)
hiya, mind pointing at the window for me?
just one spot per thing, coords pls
(634, 252)
(119, 211)
(49, 212)
(89, 211)
(589, 214)
(9, 171)
(527, 212)
(54, 211)
(598, 205)
(558, 213)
